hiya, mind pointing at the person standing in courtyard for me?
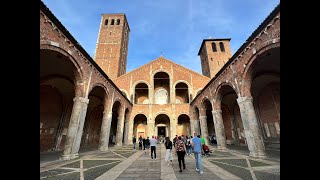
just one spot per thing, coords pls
(153, 144)
(197, 149)
(168, 145)
(181, 152)
(147, 144)
(134, 141)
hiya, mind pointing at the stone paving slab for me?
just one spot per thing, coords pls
(138, 165)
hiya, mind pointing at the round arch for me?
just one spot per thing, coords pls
(246, 73)
(184, 127)
(181, 93)
(141, 92)
(140, 81)
(162, 112)
(218, 93)
(161, 70)
(79, 72)
(182, 81)
(140, 125)
(99, 85)
(163, 127)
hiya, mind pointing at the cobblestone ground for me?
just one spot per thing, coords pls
(88, 167)
(123, 163)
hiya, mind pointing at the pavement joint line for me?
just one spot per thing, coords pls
(125, 163)
(224, 175)
(85, 169)
(59, 174)
(250, 169)
(81, 170)
(119, 155)
(232, 165)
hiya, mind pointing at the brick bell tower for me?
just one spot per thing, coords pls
(214, 53)
(112, 44)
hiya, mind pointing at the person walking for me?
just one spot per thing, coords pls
(144, 143)
(197, 149)
(147, 144)
(168, 145)
(134, 141)
(140, 143)
(188, 145)
(153, 144)
(181, 152)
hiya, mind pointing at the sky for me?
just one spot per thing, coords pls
(173, 28)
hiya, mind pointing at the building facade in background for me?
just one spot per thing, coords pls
(95, 102)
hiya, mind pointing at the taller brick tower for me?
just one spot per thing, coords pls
(112, 44)
(214, 53)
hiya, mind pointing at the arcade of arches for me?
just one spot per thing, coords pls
(80, 106)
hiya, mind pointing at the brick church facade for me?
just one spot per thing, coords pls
(95, 102)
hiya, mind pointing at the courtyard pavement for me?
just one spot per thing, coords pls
(123, 163)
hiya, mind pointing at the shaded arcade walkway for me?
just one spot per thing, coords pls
(123, 163)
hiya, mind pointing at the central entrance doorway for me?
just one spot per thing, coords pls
(162, 126)
(161, 131)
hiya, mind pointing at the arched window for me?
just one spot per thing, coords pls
(214, 47)
(161, 96)
(221, 47)
(118, 21)
(106, 22)
(112, 22)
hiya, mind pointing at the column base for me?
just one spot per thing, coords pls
(69, 156)
(221, 148)
(118, 145)
(104, 148)
(258, 155)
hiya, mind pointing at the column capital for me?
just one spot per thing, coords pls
(216, 112)
(81, 99)
(107, 112)
(244, 99)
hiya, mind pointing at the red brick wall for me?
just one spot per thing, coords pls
(269, 105)
(226, 116)
(50, 113)
(92, 128)
(112, 47)
(238, 122)
(213, 61)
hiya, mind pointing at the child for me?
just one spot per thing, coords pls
(206, 150)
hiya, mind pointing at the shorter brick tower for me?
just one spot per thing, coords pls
(214, 53)
(112, 44)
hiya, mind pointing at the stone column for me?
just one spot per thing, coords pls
(192, 127)
(251, 128)
(105, 131)
(126, 130)
(219, 129)
(120, 125)
(204, 128)
(78, 113)
(173, 128)
(151, 129)
(130, 131)
(80, 130)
